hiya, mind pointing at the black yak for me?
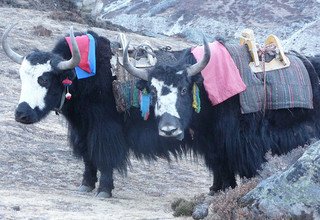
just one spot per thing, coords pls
(96, 129)
(232, 143)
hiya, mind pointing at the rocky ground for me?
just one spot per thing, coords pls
(38, 174)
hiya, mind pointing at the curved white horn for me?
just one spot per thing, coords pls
(75, 59)
(199, 66)
(140, 73)
(6, 47)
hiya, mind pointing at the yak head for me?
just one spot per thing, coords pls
(171, 92)
(41, 75)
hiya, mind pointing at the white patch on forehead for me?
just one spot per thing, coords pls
(31, 92)
(180, 72)
(165, 103)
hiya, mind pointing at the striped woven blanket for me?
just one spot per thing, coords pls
(285, 88)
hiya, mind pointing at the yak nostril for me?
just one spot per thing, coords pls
(18, 114)
(168, 130)
(21, 116)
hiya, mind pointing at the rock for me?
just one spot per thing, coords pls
(294, 193)
(98, 6)
(16, 208)
(200, 211)
(40, 30)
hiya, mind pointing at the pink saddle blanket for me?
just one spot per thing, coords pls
(221, 76)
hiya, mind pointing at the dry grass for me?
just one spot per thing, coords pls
(66, 16)
(42, 31)
(226, 204)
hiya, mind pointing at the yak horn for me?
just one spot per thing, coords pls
(140, 73)
(75, 59)
(7, 49)
(198, 67)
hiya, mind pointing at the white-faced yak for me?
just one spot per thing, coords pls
(50, 82)
(231, 141)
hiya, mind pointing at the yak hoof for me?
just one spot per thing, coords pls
(104, 195)
(85, 189)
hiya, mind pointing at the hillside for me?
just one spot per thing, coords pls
(296, 22)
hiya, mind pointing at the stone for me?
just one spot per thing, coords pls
(293, 193)
(200, 211)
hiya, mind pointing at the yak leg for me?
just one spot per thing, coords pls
(89, 176)
(222, 179)
(217, 182)
(105, 184)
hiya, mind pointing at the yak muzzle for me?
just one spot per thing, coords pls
(169, 126)
(25, 114)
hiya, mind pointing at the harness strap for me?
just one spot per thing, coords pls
(268, 49)
(63, 98)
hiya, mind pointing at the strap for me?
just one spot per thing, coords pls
(63, 98)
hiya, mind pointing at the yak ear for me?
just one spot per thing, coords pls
(63, 74)
(70, 74)
(197, 79)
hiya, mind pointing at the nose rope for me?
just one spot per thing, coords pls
(271, 50)
(63, 98)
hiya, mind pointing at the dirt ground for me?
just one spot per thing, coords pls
(39, 176)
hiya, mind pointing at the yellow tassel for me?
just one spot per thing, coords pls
(194, 102)
(196, 98)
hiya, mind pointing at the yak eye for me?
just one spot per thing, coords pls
(43, 81)
(183, 90)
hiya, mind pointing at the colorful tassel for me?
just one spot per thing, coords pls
(68, 94)
(145, 104)
(196, 104)
(67, 82)
(135, 98)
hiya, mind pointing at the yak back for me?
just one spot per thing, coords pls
(230, 140)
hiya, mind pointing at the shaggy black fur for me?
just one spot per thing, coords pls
(230, 142)
(97, 132)
(95, 127)
(233, 143)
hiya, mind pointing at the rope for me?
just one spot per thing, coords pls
(271, 50)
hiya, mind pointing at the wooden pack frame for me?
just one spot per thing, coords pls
(142, 62)
(124, 88)
(279, 62)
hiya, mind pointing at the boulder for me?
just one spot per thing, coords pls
(294, 193)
